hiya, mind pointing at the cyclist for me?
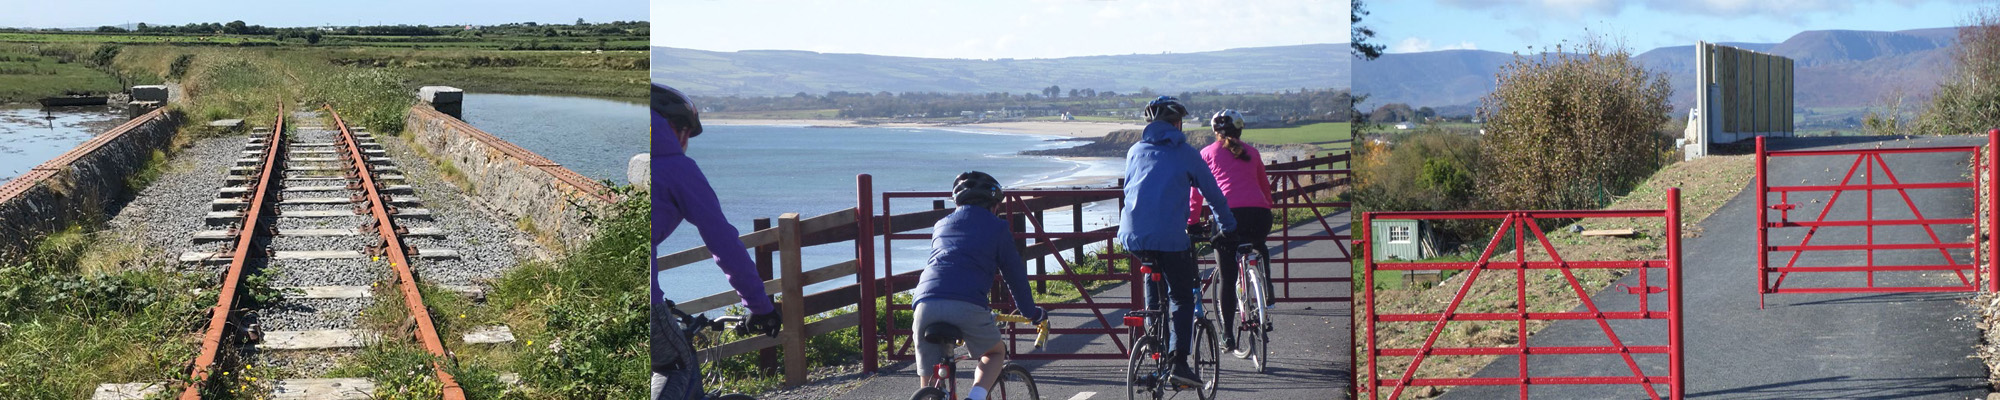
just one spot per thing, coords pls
(968, 247)
(1161, 166)
(1239, 170)
(682, 192)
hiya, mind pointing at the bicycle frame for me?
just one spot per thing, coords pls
(947, 366)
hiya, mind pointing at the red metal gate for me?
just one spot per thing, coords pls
(1523, 229)
(1870, 163)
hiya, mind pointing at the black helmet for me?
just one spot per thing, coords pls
(1166, 108)
(975, 188)
(676, 107)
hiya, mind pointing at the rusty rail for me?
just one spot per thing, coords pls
(246, 234)
(398, 256)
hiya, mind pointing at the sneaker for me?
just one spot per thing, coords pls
(1185, 377)
(1229, 342)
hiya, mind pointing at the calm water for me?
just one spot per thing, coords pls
(593, 137)
(30, 136)
(764, 171)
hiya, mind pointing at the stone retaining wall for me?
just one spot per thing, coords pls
(510, 179)
(83, 186)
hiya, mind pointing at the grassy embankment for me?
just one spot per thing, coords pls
(28, 73)
(1705, 185)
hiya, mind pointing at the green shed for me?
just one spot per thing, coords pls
(1402, 239)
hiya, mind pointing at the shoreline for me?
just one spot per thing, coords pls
(1070, 129)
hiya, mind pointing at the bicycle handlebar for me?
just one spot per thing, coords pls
(1041, 330)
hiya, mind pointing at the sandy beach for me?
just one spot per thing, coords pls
(1075, 129)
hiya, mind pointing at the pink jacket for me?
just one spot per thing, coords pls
(1243, 182)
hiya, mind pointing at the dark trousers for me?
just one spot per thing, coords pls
(1253, 225)
(1179, 270)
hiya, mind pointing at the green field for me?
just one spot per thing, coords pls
(489, 42)
(27, 74)
(1330, 137)
(35, 65)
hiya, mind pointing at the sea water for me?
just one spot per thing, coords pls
(594, 137)
(30, 136)
(763, 171)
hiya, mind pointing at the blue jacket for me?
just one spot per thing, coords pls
(968, 247)
(1158, 172)
(680, 191)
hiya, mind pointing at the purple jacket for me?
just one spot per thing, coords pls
(680, 192)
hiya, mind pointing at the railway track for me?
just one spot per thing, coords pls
(311, 223)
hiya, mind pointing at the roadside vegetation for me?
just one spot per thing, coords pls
(1968, 102)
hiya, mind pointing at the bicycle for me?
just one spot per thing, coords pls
(1252, 321)
(1014, 382)
(691, 328)
(1149, 369)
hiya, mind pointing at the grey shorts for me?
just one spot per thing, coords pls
(981, 333)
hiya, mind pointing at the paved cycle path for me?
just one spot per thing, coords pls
(1802, 346)
(1309, 359)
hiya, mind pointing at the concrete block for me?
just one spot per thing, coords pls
(149, 93)
(316, 340)
(127, 391)
(441, 94)
(639, 170)
(324, 389)
(494, 334)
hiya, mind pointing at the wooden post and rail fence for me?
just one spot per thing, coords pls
(793, 233)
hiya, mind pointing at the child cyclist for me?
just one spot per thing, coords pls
(968, 248)
(1239, 170)
(1159, 170)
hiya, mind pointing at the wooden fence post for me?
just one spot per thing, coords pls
(767, 359)
(793, 305)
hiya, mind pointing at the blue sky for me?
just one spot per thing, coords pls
(91, 13)
(985, 29)
(1408, 26)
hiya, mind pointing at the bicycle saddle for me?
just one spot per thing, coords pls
(942, 333)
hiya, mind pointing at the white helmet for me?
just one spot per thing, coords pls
(1228, 118)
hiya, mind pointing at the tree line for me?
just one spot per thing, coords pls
(1300, 105)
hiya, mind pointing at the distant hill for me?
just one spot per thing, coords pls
(784, 72)
(1836, 68)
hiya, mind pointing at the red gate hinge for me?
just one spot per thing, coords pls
(1642, 290)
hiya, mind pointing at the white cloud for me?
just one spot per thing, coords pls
(1419, 45)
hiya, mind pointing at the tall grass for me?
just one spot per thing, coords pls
(70, 320)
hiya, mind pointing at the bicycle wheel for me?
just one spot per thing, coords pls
(1259, 334)
(1142, 373)
(1239, 334)
(929, 393)
(1207, 359)
(1014, 384)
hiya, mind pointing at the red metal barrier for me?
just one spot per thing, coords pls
(1870, 163)
(1522, 227)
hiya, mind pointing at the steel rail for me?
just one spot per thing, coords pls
(246, 234)
(398, 257)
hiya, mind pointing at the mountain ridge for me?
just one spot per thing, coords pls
(1836, 68)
